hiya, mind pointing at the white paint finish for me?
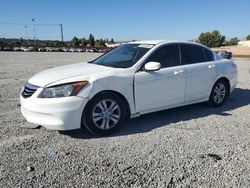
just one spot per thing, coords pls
(154, 42)
(152, 66)
(57, 113)
(144, 91)
(119, 80)
(46, 77)
(228, 69)
(200, 78)
(156, 89)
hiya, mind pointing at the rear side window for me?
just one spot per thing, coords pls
(209, 55)
(192, 54)
(168, 56)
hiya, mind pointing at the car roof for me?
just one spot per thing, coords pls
(155, 42)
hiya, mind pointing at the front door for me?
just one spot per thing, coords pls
(162, 88)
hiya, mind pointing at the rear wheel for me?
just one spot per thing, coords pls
(104, 114)
(219, 93)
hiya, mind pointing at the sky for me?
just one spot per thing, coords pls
(124, 19)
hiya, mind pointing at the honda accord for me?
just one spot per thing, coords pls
(133, 79)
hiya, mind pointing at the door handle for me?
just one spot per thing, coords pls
(211, 66)
(178, 72)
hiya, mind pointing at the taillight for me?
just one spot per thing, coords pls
(234, 66)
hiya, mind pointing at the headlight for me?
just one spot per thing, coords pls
(64, 90)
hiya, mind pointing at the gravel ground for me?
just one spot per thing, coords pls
(192, 146)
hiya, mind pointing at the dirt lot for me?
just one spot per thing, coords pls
(192, 146)
(238, 51)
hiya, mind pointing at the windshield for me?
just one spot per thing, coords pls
(124, 56)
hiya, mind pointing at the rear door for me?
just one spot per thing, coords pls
(201, 71)
(162, 88)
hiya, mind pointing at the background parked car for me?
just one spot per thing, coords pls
(64, 49)
(7, 48)
(41, 49)
(105, 50)
(93, 50)
(25, 49)
(51, 49)
(72, 49)
(79, 50)
(225, 54)
(31, 48)
(16, 49)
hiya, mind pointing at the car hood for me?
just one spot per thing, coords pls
(49, 76)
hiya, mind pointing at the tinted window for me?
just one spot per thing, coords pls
(209, 55)
(123, 56)
(192, 54)
(141, 52)
(168, 56)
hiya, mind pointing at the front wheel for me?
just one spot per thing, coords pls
(219, 93)
(104, 114)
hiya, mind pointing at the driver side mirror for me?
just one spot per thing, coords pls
(152, 66)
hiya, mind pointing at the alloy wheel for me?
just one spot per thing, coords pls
(219, 93)
(106, 114)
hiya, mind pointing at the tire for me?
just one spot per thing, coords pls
(104, 114)
(219, 93)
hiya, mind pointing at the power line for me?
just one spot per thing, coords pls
(7, 23)
(35, 25)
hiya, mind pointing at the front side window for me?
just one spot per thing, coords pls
(124, 56)
(168, 56)
(192, 54)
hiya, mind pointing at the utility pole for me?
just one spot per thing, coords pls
(33, 20)
(61, 26)
(26, 32)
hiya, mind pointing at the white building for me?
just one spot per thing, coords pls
(245, 43)
(118, 43)
(112, 45)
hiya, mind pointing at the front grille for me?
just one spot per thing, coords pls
(28, 90)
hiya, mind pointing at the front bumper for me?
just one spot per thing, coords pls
(54, 113)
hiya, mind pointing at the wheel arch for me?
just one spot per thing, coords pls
(226, 80)
(122, 97)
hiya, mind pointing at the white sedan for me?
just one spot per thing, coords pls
(133, 79)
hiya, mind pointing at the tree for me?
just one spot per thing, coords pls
(212, 39)
(91, 40)
(75, 41)
(218, 38)
(248, 37)
(100, 43)
(21, 41)
(112, 41)
(232, 42)
(83, 42)
(206, 39)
